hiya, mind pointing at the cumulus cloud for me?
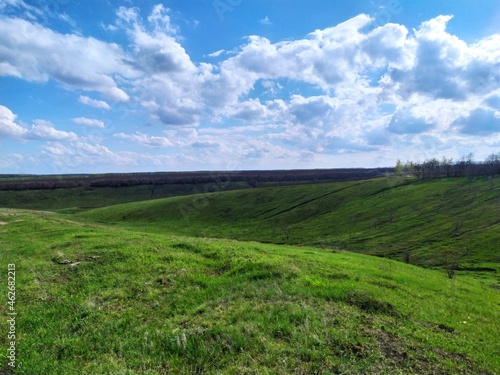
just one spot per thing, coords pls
(444, 66)
(93, 102)
(250, 110)
(145, 140)
(36, 53)
(337, 59)
(8, 126)
(70, 158)
(89, 122)
(169, 85)
(161, 21)
(44, 130)
(308, 109)
(40, 130)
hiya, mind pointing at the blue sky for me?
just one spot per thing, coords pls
(126, 86)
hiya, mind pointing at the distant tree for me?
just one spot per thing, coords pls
(447, 166)
(452, 258)
(469, 165)
(409, 167)
(464, 167)
(493, 163)
(451, 261)
(399, 169)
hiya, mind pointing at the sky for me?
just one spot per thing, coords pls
(95, 86)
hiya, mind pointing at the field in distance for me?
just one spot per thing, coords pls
(95, 299)
(421, 222)
(55, 192)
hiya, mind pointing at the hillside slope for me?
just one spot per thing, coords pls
(93, 299)
(77, 198)
(384, 217)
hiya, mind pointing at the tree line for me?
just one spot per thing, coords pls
(252, 178)
(466, 166)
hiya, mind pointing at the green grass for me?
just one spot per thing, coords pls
(383, 217)
(82, 198)
(159, 304)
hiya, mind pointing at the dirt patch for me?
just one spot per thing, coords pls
(367, 303)
(392, 347)
(3, 223)
(407, 355)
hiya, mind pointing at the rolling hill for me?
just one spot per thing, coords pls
(422, 222)
(100, 299)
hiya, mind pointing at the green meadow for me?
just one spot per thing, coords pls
(387, 217)
(78, 198)
(305, 279)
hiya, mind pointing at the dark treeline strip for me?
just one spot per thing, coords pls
(464, 167)
(253, 178)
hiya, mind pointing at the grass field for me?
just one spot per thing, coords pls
(78, 198)
(394, 218)
(130, 302)
(81, 198)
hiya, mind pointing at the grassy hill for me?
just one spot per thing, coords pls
(81, 191)
(78, 198)
(95, 299)
(425, 221)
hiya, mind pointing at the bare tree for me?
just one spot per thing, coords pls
(451, 261)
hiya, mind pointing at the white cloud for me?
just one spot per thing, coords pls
(35, 53)
(309, 109)
(89, 122)
(29, 11)
(145, 140)
(13, 3)
(72, 157)
(111, 28)
(93, 102)
(44, 130)
(11, 160)
(334, 59)
(217, 53)
(161, 21)
(444, 66)
(66, 18)
(40, 130)
(250, 110)
(8, 126)
(266, 21)
(170, 84)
